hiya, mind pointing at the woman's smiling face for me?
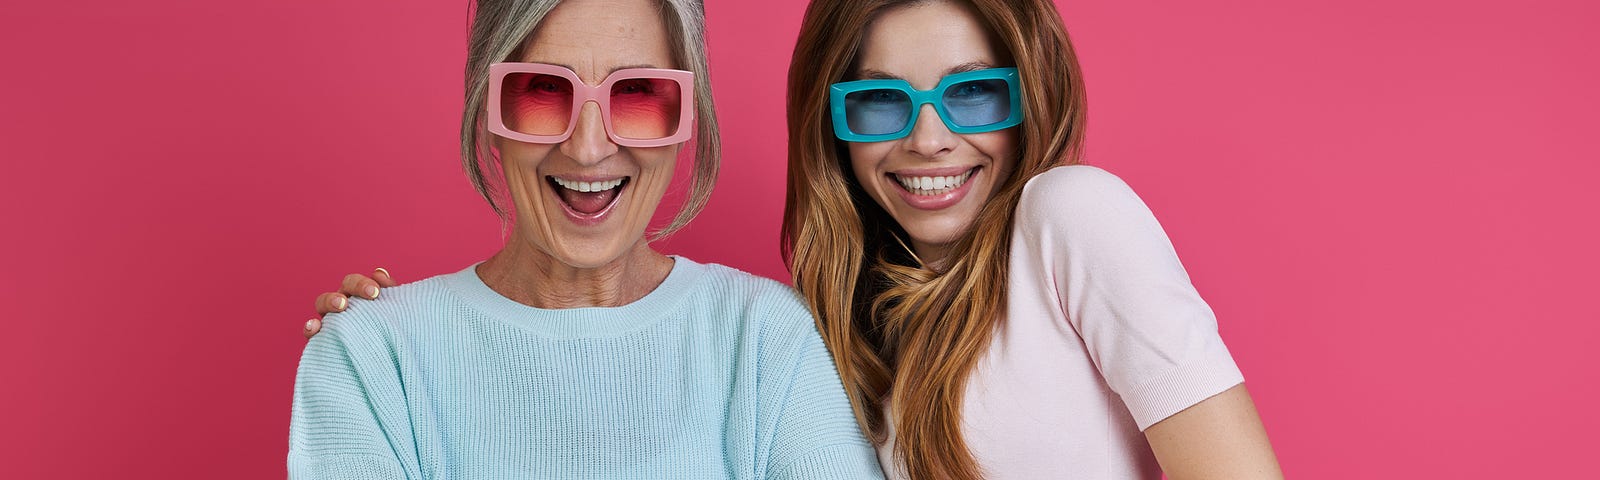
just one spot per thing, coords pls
(933, 182)
(587, 201)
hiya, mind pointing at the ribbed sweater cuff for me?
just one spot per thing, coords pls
(343, 466)
(1182, 387)
(843, 462)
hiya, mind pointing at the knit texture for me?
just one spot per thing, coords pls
(714, 374)
(1104, 336)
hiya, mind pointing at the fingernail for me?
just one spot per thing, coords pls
(342, 303)
(372, 292)
(385, 272)
(310, 323)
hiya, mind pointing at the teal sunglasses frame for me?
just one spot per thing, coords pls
(841, 127)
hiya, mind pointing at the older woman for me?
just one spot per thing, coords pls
(577, 350)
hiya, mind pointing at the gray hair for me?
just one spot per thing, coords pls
(499, 28)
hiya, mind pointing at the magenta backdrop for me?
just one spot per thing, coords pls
(1390, 204)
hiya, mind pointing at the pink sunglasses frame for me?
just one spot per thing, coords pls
(582, 93)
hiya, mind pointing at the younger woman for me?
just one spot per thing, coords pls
(994, 310)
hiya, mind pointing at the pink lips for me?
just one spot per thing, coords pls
(940, 201)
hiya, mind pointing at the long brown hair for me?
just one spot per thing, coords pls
(898, 329)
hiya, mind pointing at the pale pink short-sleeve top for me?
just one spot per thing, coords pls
(1104, 336)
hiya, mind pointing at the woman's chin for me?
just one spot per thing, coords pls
(589, 249)
(940, 229)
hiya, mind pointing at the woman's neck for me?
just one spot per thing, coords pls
(932, 256)
(532, 277)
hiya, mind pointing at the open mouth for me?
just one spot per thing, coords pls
(927, 186)
(588, 200)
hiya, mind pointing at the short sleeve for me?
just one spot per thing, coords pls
(338, 427)
(1122, 289)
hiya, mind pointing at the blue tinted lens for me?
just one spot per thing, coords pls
(978, 102)
(877, 112)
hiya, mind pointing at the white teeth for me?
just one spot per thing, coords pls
(933, 185)
(588, 186)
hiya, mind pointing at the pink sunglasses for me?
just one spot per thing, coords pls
(641, 107)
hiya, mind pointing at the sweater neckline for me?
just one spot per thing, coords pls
(580, 322)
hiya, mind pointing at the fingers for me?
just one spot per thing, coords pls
(383, 278)
(312, 327)
(359, 285)
(353, 285)
(326, 303)
(331, 302)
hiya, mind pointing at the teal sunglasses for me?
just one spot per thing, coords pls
(968, 102)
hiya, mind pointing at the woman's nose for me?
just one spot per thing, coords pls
(589, 143)
(929, 138)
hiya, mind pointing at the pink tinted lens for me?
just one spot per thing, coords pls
(536, 103)
(645, 108)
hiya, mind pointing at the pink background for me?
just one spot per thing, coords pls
(1391, 206)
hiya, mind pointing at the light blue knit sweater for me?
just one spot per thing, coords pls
(715, 374)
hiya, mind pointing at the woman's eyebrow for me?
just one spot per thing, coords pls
(625, 67)
(872, 74)
(969, 67)
(613, 69)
